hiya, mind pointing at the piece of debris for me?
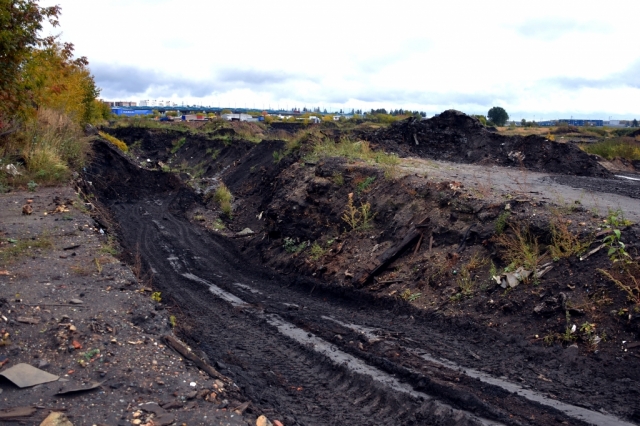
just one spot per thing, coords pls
(16, 412)
(182, 349)
(76, 302)
(24, 375)
(11, 170)
(4, 272)
(28, 320)
(245, 232)
(72, 388)
(27, 209)
(56, 419)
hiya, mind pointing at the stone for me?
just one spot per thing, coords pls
(56, 419)
(263, 421)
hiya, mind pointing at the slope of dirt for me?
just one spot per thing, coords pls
(454, 136)
(436, 296)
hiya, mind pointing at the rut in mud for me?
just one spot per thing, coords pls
(236, 297)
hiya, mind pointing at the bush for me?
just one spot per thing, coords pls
(626, 148)
(115, 141)
(223, 197)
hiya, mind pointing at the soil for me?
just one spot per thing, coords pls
(283, 309)
(70, 308)
(454, 136)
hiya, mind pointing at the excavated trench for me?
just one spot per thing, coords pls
(315, 352)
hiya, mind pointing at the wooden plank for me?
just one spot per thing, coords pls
(182, 349)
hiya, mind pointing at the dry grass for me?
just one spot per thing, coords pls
(519, 247)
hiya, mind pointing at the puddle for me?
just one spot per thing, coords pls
(368, 332)
(247, 288)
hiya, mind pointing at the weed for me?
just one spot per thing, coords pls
(317, 251)
(357, 218)
(338, 179)
(549, 339)
(98, 265)
(623, 147)
(172, 321)
(199, 217)
(563, 242)
(493, 271)
(32, 186)
(519, 248)
(218, 225)
(501, 222)
(223, 197)
(115, 141)
(291, 246)
(617, 251)
(364, 185)
(178, 144)
(156, 296)
(109, 247)
(408, 296)
(632, 289)
(277, 156)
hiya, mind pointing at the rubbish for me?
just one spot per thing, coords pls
(76, 302)
(595, 250)
(71, 388)
(10, 169)
(56, 419)
(24, 375)
(512, 279)
(4, 272)
(245, 232)
(76, 344)
(14, 412)
(27, 209)
(263, 421)
(75, 246)
(28, 320)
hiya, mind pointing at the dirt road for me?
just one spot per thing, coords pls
(317, 354)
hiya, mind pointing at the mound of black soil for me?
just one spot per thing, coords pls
(454, 136)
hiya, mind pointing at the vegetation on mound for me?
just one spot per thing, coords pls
(46, 95)
(115, 141)
(626, 148)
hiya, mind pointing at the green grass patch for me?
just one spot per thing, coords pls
(14, 249)
(626, 148)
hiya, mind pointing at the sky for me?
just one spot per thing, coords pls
(538, 60)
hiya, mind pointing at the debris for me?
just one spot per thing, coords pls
(241, 408)
(595, 250)
(25, 375)
(76, 345)
(75, 246)
(277, 423)
(76, 302)
(71, 388)
(263, 421)
(56, 419)
(27, 209)
(10, 169)
(28, 320)
(15, 412)
(4, 272)
(245, 232)
(152, 407)
(182, 349)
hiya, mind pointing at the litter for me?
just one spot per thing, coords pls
(25, 375)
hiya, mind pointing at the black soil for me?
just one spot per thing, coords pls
(417, 304)
(454, 136)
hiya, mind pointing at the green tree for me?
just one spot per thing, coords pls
(498, 115)
(20, 24)
(634, 123)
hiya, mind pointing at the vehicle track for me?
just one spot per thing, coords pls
(235, 327)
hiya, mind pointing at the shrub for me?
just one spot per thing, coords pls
(223, 197)
(626, 148)
(115, 141)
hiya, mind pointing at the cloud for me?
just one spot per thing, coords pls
(252, 78)
(124, 80)
(554, 28)
(627, 78)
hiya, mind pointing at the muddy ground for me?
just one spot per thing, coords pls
(290, 310)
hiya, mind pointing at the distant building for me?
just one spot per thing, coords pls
(120, 103)
(572, 122)
(238, 117)
(130, 112)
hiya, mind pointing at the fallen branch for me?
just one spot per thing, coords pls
(182, 349)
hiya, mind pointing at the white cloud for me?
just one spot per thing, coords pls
(570, 57)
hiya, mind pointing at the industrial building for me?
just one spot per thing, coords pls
(130, 112)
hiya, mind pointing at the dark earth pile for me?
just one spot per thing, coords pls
(454, 136)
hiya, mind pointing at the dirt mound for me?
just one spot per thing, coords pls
(454, 136)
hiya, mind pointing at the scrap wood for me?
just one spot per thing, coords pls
(15, 412)
(182, 349)
(390, 254)
(595, 250)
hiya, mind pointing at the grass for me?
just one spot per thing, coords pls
(626, 148)
(223, 197)
(357, 217)
(519, 248)
(563, 242)
(351, 149)
(11, 251)
(178, 144)
(114, 141)
(317, 251)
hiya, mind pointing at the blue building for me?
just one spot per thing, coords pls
(572, 122)
(130, 112)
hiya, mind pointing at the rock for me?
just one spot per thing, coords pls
(277, 423)
(191, 395)
(152, 407)
(27, 209)
(164, 419)
(56, 419)
(245, 231)
(76, 302)
(43, 363)
(263, 421)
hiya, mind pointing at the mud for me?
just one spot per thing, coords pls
(454, 136)
(296, 203)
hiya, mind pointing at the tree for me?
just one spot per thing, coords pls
(498, 115)
(634, 123)
(20, 24)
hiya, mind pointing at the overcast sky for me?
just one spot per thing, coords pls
(542, 60)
